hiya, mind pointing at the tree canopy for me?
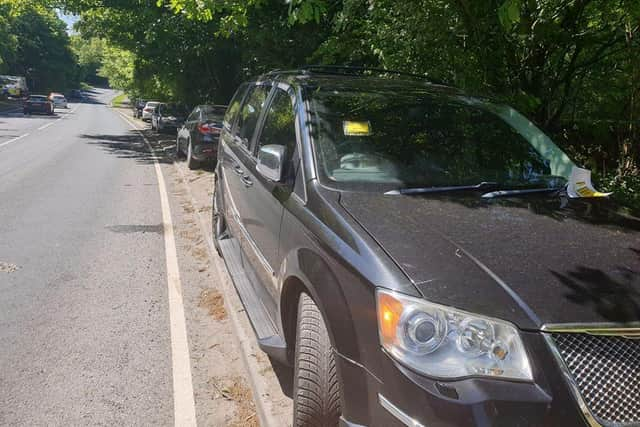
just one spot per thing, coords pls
(573, 66)
(34, 43)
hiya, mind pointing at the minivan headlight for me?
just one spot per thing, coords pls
(443, 342)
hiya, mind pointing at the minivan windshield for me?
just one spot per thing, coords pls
(368, 138)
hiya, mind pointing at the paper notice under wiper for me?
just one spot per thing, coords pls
(580, 184)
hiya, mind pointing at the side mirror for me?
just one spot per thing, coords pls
(271, 161)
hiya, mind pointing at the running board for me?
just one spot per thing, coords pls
(268, 338)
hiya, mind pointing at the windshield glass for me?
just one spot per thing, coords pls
(425, 140)
(37, 98)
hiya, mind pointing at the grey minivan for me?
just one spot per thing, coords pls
(417, 255)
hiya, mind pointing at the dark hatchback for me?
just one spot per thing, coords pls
(413, 252)
(197, 139)
(37, 104)
(137, 106)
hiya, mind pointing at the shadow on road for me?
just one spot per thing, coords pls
(30, 116)
(131, 146)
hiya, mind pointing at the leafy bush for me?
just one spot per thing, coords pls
(626, 189)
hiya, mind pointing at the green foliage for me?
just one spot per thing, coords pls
(34, 44)
(117, 66)
(90, 55)
(573, 66)
(625, 188)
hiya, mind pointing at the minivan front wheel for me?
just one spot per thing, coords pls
(316, 386)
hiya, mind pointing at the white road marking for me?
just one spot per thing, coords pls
(183, 400)
(243, 340)
(47, 125)
(13, 140)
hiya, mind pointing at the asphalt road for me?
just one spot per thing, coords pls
(84, 317)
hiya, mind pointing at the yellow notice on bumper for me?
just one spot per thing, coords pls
(356, 128)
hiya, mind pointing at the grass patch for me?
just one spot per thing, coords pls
(85, 86)
(118, 101)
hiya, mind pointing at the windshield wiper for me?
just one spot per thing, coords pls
(479, 186)
(506, 193)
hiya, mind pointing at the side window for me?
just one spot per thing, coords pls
(234, 107)
(250, 112)
(279, 124)
(280, 128)
(194, 115)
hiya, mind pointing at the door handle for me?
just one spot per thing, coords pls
(237, 169)
(247, 181)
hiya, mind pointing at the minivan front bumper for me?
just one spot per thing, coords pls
(397, 396)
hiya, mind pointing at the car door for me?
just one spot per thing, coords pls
(265, 198)
(237, 159)
(186, 132)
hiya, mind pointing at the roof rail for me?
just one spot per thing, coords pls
(347, 69)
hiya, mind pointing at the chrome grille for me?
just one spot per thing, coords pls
(607, 372)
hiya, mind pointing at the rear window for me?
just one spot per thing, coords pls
(38, 98)
(215, 114)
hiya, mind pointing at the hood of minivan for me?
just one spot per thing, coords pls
(533, 260)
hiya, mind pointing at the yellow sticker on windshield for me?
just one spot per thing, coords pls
(356, 128)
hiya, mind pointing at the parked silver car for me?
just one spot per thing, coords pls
(147, 111)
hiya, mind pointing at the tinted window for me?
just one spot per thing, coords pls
(279, 125)
(195, 114)
(420, 140)
(213, 113)
(234, 107)
(38, 98)
(250, 112)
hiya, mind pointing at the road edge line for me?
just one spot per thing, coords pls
(183, 399)
(243, 339)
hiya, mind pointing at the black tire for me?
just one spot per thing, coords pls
(316, 388)
(191, 162)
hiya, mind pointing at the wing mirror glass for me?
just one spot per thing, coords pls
(271, 161)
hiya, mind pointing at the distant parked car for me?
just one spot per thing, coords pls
(58, 100)
(147, 111)
(76, 94)
(38, 104)
(198, 137)
(168, 117)
(137, 106)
